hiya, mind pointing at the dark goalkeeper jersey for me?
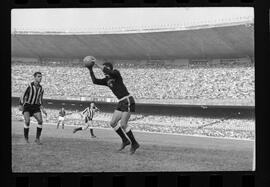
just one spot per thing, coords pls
(114, 81)
(62, 113)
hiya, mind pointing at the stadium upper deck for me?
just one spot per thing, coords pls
(207, 41)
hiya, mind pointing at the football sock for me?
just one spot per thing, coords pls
(38, 132)
(26, 132)
(121, 133)
(91, 132)
(78, 129)
(131, 137)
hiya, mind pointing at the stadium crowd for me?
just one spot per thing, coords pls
(158, 81)
(233, 128)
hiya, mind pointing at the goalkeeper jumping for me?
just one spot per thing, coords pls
(126, 104)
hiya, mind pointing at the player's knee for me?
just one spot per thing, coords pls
(123, 125)
(27, 120)
(113, 124)
(124, 128)
(127, 128)
(27, 124)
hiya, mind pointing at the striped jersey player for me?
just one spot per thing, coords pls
(88, 115)
(31, 104)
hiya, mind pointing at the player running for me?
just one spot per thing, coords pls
(88, 115)
(126, 104)
(61, 118)
(31, 104)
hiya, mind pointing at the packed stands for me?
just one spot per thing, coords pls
(163, 82)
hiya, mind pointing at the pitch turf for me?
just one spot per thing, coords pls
(63, 151)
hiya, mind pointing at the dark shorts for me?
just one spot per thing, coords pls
(32, 109)
(88, 119)
(126, 105)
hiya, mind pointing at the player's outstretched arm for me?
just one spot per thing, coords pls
(81, 115)
(95, 80)
(97, 109)
(89, 62)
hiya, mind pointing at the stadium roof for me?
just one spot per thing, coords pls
(227, 41)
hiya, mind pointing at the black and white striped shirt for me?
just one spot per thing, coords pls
(89, 112)
(32, 95)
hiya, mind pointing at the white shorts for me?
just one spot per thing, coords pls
(61, 118)
(88, 124)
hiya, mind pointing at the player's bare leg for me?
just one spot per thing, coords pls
(117, 127)
(124, 124)
(77, 129)
(81, 128)
(58, 124)
(38, 117)
(26, 116)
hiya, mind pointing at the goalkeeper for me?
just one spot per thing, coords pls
(114, 81)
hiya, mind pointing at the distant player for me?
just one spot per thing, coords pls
(88, 115)
(126, 104)
(31, 105)
(61, 118)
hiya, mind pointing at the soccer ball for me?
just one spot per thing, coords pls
(89, 61)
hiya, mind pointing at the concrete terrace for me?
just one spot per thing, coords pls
(204, 41)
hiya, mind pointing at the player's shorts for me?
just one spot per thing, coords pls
(61, 118)
(32, 109)
(87, 119)
(126, 105)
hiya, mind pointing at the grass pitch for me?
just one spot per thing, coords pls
(63, 151)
